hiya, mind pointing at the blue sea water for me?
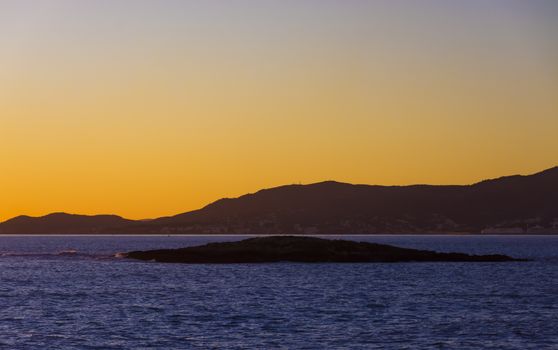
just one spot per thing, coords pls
(71, 292)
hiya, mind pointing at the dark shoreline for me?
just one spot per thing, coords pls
(270, 235)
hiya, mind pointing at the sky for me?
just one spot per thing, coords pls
(147, 108)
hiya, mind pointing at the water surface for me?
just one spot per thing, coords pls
(70, 292)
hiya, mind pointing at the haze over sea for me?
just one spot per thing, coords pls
(68, 292)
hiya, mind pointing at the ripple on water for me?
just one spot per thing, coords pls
(78, 300)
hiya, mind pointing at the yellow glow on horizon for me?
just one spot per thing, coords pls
(146, 126)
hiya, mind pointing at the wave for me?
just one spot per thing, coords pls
(67, 253)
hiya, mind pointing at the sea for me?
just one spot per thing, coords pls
(76, 292)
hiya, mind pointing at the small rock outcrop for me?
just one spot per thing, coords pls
(303, 249)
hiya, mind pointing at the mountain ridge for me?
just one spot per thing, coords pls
(509, 204)
(62, 223)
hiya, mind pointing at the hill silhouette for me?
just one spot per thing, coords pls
(62, 223)
(512, 204)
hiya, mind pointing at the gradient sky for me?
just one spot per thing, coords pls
(149, 108)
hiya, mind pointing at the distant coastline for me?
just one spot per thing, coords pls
(511, 205)
(329, 235)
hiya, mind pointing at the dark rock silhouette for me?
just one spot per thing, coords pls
(513, 204)
(303, 249)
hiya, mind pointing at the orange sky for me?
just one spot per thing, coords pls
(146, 108)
